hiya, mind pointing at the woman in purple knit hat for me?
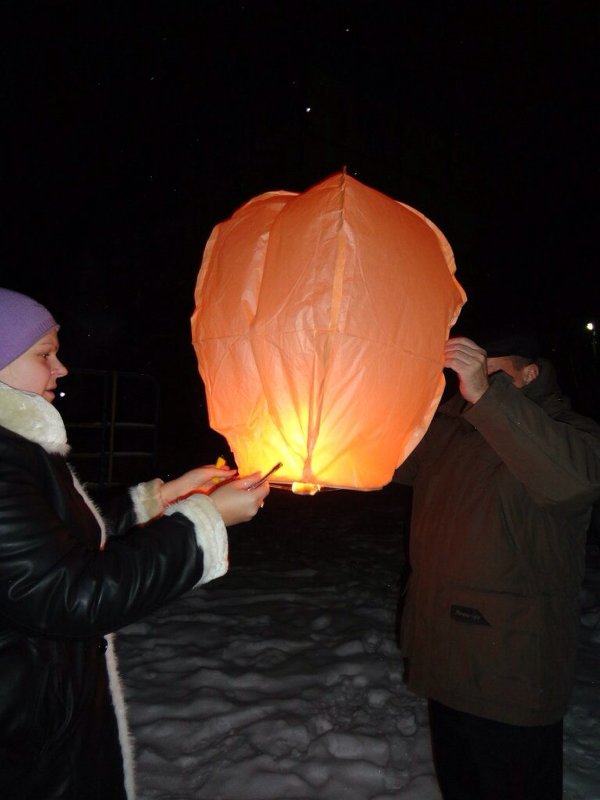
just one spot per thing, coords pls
(70, 576)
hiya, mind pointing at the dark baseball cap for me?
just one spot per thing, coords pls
(512, 341)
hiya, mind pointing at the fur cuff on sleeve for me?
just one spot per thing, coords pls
(146, 500)
(211, 535)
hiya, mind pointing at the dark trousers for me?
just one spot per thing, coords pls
(481, 759)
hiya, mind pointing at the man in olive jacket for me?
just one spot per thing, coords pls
(503, 484)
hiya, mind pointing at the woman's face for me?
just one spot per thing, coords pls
(37, 369)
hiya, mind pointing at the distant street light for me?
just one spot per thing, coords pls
(591, 326)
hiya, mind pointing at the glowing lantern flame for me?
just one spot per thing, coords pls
(319, 328)
(305, 488)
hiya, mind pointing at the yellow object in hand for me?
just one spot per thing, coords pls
(220, 462)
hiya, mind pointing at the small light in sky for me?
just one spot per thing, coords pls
(308, 109)
(62, 394)
(590, 326)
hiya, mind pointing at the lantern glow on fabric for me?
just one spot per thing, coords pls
(319, 327)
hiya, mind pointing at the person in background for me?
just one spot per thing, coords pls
(503, 485)
(70, 576)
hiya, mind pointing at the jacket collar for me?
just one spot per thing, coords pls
(34, 418)
(545, 385)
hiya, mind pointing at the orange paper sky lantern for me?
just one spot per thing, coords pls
(319, 328)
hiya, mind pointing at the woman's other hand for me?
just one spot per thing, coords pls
(201, 479)
(236, 502)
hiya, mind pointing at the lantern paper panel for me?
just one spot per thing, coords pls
(319, 328)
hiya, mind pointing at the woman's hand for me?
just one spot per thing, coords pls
(201, 479)
(235, 502)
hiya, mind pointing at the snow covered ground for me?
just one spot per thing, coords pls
(283, 679)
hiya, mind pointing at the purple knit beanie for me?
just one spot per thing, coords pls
(22, 323)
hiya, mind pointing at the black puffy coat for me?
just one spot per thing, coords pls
(63, 589)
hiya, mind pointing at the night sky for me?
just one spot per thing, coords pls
(130, 129)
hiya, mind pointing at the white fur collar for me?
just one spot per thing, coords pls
(33, 417)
